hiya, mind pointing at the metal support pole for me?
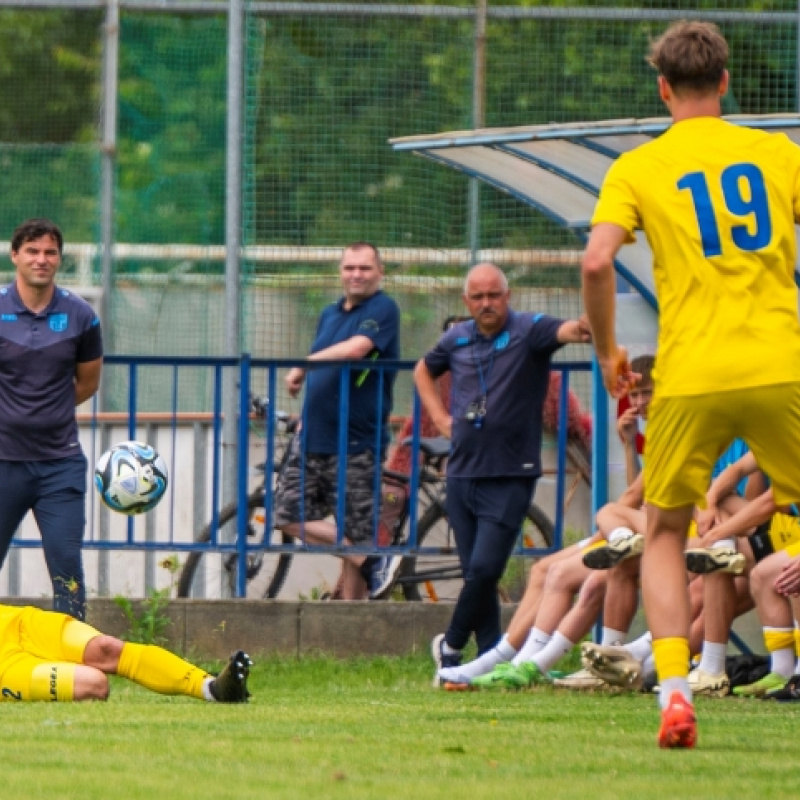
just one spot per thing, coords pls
(233, 233)
(478, 121)
(108, 163)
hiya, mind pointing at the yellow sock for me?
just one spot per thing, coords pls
(160, 671)
(779, 639)
(672, 657)
(797, 641)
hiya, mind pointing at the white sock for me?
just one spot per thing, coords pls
(648, 665)
(499, 654)
(206, 689)
(671, 685)
(612, 637)
(619, 533)
(642, 648)
(556, 649)
(536, 641)
(730, 544)
(782, 662)
(712, 660)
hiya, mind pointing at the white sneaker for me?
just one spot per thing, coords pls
(582, 679)
(708, 685)
(613, 664)
(704, 560)
(612, 553)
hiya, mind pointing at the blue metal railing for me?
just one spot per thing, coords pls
(248, 371)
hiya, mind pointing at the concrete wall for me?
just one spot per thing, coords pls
(207, 629)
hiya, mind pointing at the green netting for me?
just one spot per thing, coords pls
(324, 91)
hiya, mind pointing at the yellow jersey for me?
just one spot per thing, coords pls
(717, 203)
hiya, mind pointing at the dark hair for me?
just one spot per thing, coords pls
(691, 56)
(644, 366)
(362, 246)
(33, 229)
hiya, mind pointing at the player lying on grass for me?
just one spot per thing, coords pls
(49, 656)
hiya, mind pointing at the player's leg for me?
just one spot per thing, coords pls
(621, 526)
(31, 679)
(60, 514)
(519, 628)
(165, 673)
(775, 614)
(527, 670)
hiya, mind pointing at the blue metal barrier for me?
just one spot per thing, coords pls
(159, 529)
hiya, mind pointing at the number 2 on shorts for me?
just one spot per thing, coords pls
(740, 203)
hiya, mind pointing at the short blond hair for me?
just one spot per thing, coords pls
(691, 56)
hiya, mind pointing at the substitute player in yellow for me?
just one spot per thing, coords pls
(53, 657)
(717, 203)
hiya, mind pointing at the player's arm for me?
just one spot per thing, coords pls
(87, 379)
(353, 349)
(599, 290)
(431, 398)
(627, 430)
(725, 484)
(574, 331)
(744, 521)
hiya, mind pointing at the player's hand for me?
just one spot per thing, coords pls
(294, 380)
(706, 520)
(584, 328)
(788, 582)
(627, 427)
(618, 377)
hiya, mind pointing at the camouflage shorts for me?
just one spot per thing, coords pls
(318, 485)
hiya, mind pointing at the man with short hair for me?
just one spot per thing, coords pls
(499, 361)
(51, 357)
(717, 203)
(363, 324)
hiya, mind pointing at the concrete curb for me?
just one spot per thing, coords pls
(212, 629)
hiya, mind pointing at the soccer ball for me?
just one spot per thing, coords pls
(131, 477)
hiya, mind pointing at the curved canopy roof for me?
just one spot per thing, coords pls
(558, 169)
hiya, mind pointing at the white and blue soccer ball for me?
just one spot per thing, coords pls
(131, 478)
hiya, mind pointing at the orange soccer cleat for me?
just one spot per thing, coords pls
(678, 723)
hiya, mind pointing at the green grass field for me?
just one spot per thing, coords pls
(376, 729)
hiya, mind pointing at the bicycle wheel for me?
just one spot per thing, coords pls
(438, 577)
(216, 572)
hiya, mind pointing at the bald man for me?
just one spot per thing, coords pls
(500, 366)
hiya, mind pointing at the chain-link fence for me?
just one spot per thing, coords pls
(325, 87)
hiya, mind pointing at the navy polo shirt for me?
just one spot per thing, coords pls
(377, 318)
(38, 354)
(512, 371)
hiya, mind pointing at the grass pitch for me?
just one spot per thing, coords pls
(321, 728)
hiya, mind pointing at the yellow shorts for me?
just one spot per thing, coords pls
(793, 550)
(39, 652)
(686, 435)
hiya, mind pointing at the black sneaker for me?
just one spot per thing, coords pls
(230, 686)
(442, 659)
(383, 576)
(788, 694)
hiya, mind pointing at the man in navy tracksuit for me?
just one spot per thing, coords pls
(51, 357)
(500, 365)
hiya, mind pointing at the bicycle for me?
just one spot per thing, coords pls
(267, 571)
